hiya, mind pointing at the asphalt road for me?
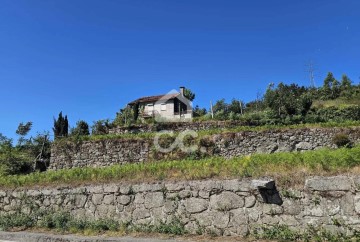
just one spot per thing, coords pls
(39, 237)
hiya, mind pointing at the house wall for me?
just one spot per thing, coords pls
(168, 113)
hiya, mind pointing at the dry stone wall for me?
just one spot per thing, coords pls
(245, 143)
(222, 207)
(98, 153)
(121, 151)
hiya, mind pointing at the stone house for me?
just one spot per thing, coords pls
(173, 106)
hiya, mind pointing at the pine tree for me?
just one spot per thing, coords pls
(61, 126)
(189, 94)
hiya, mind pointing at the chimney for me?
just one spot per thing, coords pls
(182, 89)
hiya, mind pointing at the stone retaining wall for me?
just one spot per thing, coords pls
(98, 153)
(222, 207)
(120, 151)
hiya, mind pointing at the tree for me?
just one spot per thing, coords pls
(127, 115)
(330, 88)
(345, 86)
(12, 160)
(236, 106)
(326, 88)
(82, 128)
(101, 127)
(335, 89)
(61, 126)
(220, 105)
(288, 100)
(189, 94)
(221, 109)
(136, 111)
(305, 103)
(5, 143)
(198, 112)
(24, 129)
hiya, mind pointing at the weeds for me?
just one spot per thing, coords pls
(63, 222)
(175, 227)
(319, 162)
(284, 233)
(289, 194)
(342, 140)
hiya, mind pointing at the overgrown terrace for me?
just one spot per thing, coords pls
(289, 169)
(202, 133)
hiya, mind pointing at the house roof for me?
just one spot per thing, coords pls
(155, 98)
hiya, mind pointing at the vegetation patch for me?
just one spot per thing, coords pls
(64, 222)
(342, 140)
(284, 233)
(281, 166)
(214, 131)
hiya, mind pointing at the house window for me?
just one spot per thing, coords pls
(163, 107)
(150, 108)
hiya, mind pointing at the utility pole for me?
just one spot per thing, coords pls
(241, 107)
(211, 109)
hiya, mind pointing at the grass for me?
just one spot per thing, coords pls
(64, 222)
(342, 103)
(284, 233)
(202, 133)
(289, 169)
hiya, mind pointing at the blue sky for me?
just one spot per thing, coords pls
(89, 58)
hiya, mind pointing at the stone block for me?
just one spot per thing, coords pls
(226, 201)
(196, 205)
(336, 183)
(154, 200)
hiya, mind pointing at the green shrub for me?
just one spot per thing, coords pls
(57, 220)
(16, 220)
(15, 162)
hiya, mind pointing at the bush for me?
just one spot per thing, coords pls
(14, 161)
(16, 220)
(342, 140)
(58, 220)
(101, 127)
(82, 128)
(337, 114)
